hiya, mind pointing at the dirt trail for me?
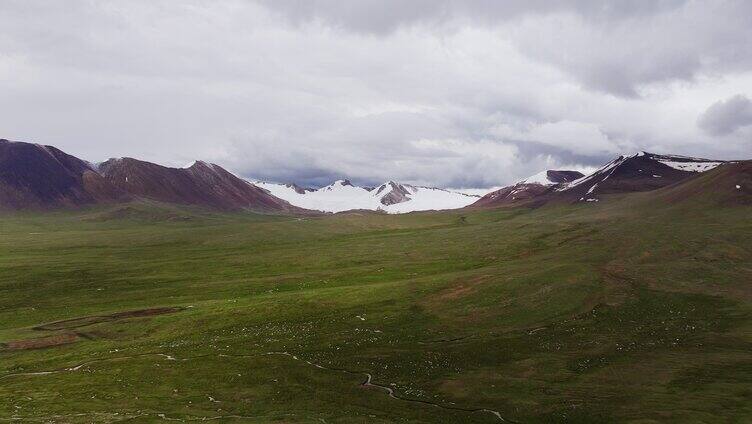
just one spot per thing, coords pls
(65, 336)
(40, 342)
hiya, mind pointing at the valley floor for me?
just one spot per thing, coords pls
(612, 312)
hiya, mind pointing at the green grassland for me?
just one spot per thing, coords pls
(622, 311)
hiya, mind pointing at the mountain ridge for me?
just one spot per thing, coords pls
(638, 172)
(35, 176)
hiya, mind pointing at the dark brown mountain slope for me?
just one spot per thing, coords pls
(635, 173)
(201, 184)
(640, 172)
(34, 176)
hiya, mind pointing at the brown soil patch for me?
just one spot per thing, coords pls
(40, 342)
(456, 292)
(94, 319)
(464, 288)
(456, 388)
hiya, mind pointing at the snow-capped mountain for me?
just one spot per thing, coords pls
(642, 171)
(390, 197)
(638, 172)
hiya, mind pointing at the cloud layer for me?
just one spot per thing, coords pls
(472, 93)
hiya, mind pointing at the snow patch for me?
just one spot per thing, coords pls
(539, 178)
(93, 166)
(690, 166)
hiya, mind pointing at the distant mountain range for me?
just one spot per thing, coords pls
(34, 176)
(390, 197)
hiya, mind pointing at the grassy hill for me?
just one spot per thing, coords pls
(629, 310)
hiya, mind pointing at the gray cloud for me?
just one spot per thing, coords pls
(625, 55)
(383, 16)
(613, 46)
(530, 151)
(447, 93)
(726, 116)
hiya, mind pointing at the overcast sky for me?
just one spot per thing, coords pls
(437, 92)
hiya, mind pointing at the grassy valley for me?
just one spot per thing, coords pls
(625, 310)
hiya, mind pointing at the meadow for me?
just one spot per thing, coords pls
(622, 311)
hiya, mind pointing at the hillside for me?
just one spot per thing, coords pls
(727, 185)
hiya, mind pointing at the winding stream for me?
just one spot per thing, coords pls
(390, 391)
(368, 382)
